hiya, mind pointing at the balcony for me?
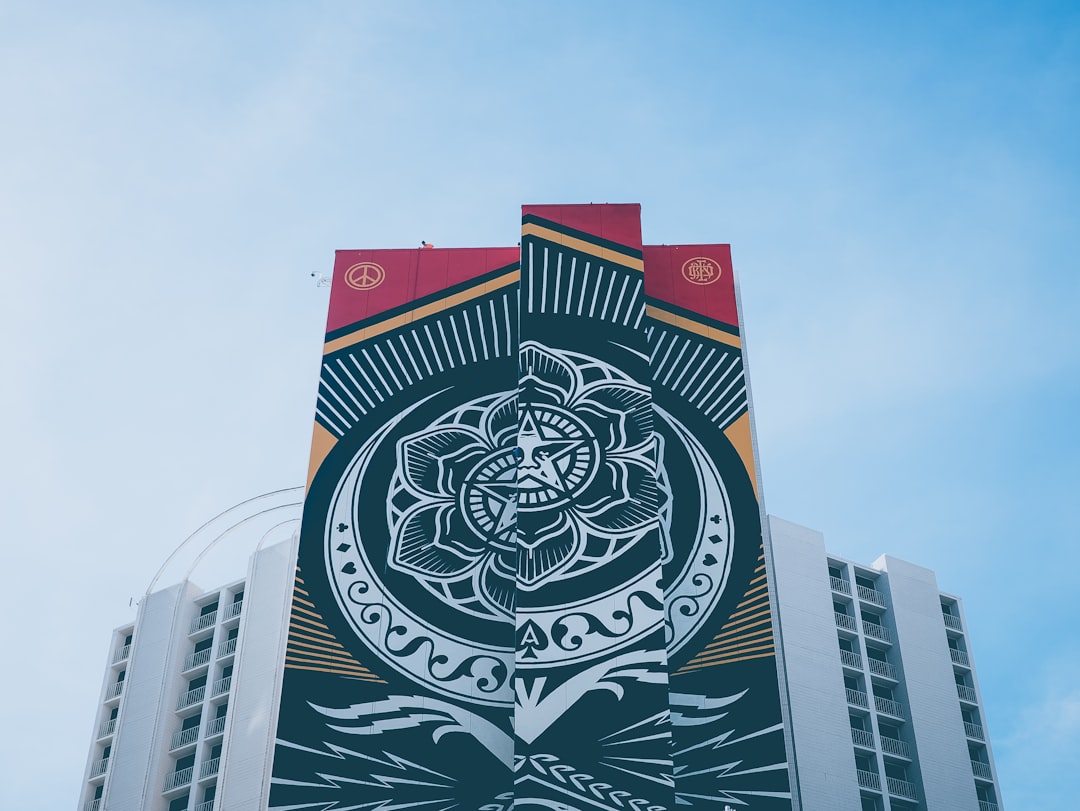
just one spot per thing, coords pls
(121, 654)
(872, 629)
(207, 806)
(895, 747)
(199, 657)
(967, 694)
(974, 731)
(869, 780)
(844, 621)
(114, 691)
(986, 805)
(871, 595)
(178, 779)
(191, 697)
(99, 768)
(857, 698)
(221, 686)
(952, 622)
(106, 728)
(839, 584)
(959, 657)
(851, 659)
(215, 727)
(881, 668)
(184, 737)
(92, 805)
(203, 621)
(232, 610)
(209, 768)
(888, 707)
(980, 769)
(227, 648)
(860, 737)
(901, 788)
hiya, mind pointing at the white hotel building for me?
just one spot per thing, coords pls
(884, 711)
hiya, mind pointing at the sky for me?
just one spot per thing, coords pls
(900, 184)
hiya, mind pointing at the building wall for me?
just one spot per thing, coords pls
(819, 713)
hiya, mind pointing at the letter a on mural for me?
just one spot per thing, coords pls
(531, 571)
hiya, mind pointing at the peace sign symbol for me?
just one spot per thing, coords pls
(364, 276)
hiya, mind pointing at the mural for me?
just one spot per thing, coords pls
(530, 570)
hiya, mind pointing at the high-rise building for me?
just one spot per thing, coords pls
(532, 571)
(884, 699)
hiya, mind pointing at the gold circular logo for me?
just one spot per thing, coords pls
(700, 270)
(365, 276)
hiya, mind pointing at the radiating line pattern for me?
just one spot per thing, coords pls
(311, 645)
(360, 378)
(748, 632)
(708, 375)
(567, 282)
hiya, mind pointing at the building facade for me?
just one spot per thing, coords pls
(187, 707)
(885, 707)
(886, 713)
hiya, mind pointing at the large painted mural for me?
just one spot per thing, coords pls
(531, 571)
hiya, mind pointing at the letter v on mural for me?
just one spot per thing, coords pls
(531, 571)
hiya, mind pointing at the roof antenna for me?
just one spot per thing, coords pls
(321, 279)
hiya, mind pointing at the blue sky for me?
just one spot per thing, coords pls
(900, 184)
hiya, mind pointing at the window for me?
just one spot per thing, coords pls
(106, 752)
(207, 610)
(121, 676)
(876, 655)
(864, 764)
(871, 617)
(870, 804)
(209, 794)
(852, 683)
(836, 571)
(889, 731)
(98, 792)
(215, 752)
(127, 639)
(224, 708)
(896, 771)
(233, 634)
(112, 715)
(845, 644)
(180, 803)
(238, 597)
(865, 582)
(839, 608)
(190, 722)
(884, 692)
(196, 683)
(226, 671)
(857, 722)
(204, 645)
(184, 763)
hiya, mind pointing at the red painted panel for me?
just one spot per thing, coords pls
(698, 278)
(370, 282)
(617, 222)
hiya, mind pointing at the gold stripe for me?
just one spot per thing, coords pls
(305, 602)
(325, 657)
(749, 616)
(328, 641)
(719, 643)
(727, 653)
(317, 644)
(335, 671)
(310, 630)
(607, 254)
(314, 614)
(309, 622)
(299, 590)
(690, 668)
(420, 312)
(682, 322)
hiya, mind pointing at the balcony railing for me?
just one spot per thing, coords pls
(967, 694)
(952, 622)
(215, 727)
(901, 788)
(203, 621)
(114, 691)
(184, 737)
(199, 657)
(227, 648)
(209, 768)
(844, 621)
(99, 768)
(860, 737)
(839, 584)
(986, 805)
(191, 697)
(870, 595)
(221, 686)
(980, 769)
(893, 746)
(888, 707)
(959, 657)
(121, 654)
(233, 610)
(974, 731)
(92, 805)
(177, 779)
(868, 780)
(207, 806)
(876, 631)
(880, 668)
(851, 659)
(857, 698)
(106, 728)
